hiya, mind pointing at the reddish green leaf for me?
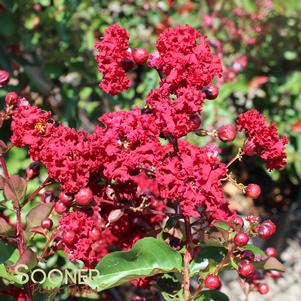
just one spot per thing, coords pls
(14, 189)
(28, 258)
(273, 263)
(5, 228)
(37, 214)
(2, 181)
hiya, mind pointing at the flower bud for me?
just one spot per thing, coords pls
(33, 170)
(115, 215)
(4, 78)
(226, 133)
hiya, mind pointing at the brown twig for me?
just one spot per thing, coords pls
(21, 247)
(4, 166)
(237, 157)
(187, 258)
(47, 182)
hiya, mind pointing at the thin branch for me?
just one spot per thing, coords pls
(187, 258)
(4, 166)
(47, 182)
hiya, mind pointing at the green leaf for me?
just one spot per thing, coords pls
(6, 251)
(255, 250)
(177, 297)
(212, 296)
(171, 287)
(41, 296)
(222, 225)
(273, 263)
(14, 189)
(37, 214)
(197, 265)
(211, 254)
(5, 228)
(234, 263)
(9, 277)
(148, 257)
(28, 258)
(216, 237)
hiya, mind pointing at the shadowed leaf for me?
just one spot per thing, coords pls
(5, 228)
(148, 257)
(273, 263)
(14, 189)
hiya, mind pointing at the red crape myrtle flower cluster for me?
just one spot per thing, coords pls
(120, 182)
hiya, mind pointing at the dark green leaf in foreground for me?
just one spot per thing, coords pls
(6, 251)
(170, 287)
(255, 250)
(148, 257)
(212, 296)
(207, 259)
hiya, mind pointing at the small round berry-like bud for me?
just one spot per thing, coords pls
(237, 220)
(241, 239)
(246, 268)
(47, 223)
(11, 98)
(274, 274)
(127, 64)
(263, 288)
(249, 148)
(264, 232)
(266, 229)
(213, 282)
(252, 219)
(140, 55)
(253, 191)
(248, 255)
(115, 215)
(58, 243)
(65, 198)
(84, 197)
(60, 208)
(211, 91)
(4, 78)
(226, 133)
(196, 120)
(47, 197)
(271, 252)
(271, 225)
(95, 234)
(33, 170)
(69, 237)
(21, 297)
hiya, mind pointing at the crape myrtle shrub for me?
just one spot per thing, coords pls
(257, 41)
(135, 185)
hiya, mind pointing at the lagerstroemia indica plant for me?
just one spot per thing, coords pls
(134, 199)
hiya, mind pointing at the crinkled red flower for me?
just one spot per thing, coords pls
(174, 114)
(85, 248)
(113, 52)
(185, 58)
(193, 178)
(263, 138)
